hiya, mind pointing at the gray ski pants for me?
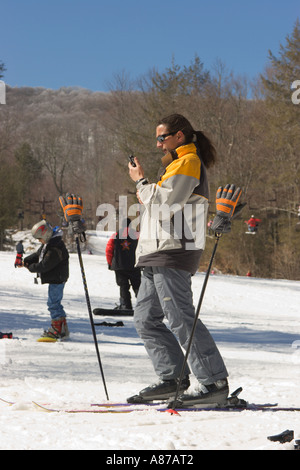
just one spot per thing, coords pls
(166, 292)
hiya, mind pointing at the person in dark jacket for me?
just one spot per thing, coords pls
(120, 256)
(51, 263)
(20, 253)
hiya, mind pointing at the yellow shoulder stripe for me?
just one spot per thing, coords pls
(190, 165)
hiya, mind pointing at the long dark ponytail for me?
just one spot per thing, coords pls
(177, 122)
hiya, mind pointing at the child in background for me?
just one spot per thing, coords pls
(51, 262)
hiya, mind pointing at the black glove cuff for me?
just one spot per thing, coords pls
(77, 226)
(221, 225)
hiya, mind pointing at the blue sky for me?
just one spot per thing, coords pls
(86, 43)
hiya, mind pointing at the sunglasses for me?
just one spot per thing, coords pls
(161, 138)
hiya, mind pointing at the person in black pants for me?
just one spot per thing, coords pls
(120, 256)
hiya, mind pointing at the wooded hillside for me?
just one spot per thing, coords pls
(75, 140)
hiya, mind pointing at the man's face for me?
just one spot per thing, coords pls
(170, 142)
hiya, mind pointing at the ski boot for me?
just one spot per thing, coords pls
(162, 390)
(58, 331)
(210, 395)
(124, 305)
(283, 437)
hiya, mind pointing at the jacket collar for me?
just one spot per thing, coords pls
(177, 153)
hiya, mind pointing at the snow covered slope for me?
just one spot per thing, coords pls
(254, 321)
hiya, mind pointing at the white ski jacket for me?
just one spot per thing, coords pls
(174, 213)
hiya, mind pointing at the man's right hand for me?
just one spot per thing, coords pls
(136, 172)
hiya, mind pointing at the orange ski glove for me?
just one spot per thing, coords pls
(226, 203)
(72, 206)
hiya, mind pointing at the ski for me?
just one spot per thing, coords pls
(50, 339)
(46, 339)
(98, 408)
(127, 408)
(7, 402)
(114, 312)
(105, 323)
(99, 405)
(236, 405)
(91, 405)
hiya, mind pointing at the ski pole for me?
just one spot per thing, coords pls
(90, 313)
(173, 403)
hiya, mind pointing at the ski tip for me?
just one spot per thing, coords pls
(41, 407)
(172, 412)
